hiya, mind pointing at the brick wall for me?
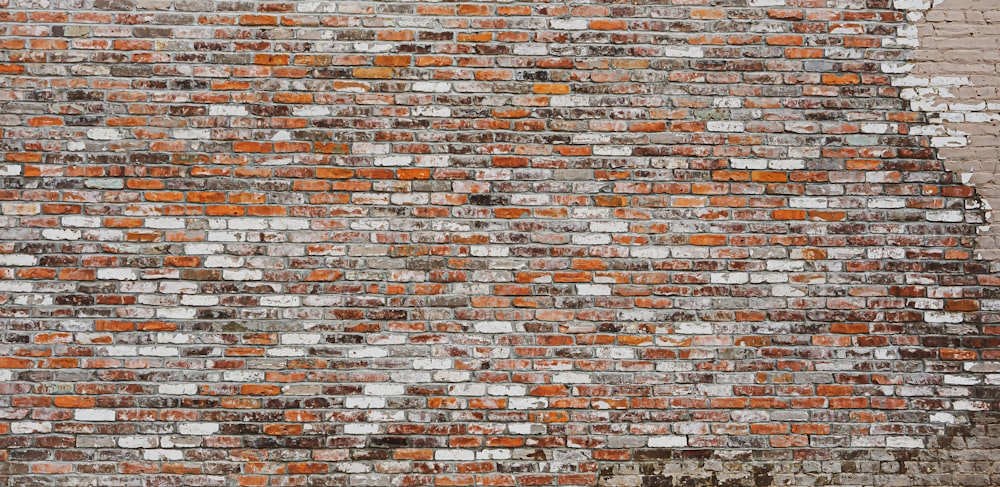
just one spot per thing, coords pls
(333, 243)
(957, 85)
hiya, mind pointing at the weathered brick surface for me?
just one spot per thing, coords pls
(333, 243)
(958, 61)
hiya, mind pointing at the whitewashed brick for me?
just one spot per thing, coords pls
(138, 442)
(61, 234)
(367, 352)
(364, 402)
(94, 415)
(197, 429)
(674, 441)
(227, 110)
(684, 51)
(162, 454)
(17, 260)
(178, 389)
(431, 87)
(494, 327)
(105, 134)
(30, 427)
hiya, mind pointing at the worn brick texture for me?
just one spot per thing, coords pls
(399, 243)
(958, 84)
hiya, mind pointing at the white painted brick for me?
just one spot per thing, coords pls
(224, 261)
(10, 170)
(247, 224)
(20, 208)
(158, 351)
(690, 328)
(786, 164)
(280, 301)
(571, 378)
(521, 403)
(104, 134)
(301, 338)
(887, 203)
(785, 290)
(61, 234)
(593, 290)
(197, 429)
(904, 442)
(393, 161)
(467, 390)
(372, 47)
(611, 227)
(454, 455)
(725, 126)
(199, 300)
(683, 51)
(637, 315)
(808, 202)
(178, 389)
(202, 134)
(243, 375)
(242, 275)
(121, 351)
(410, 376)
(176, 313)
(311, 111)
(526, 429)
(117, 274)
(94, 414)
(874, 128)
(162, 454)
(6, 375)
(912, 4)
(138, 442)
(30, 427)
(82, 221)
(431, 364)
(946, 418)
(361, 429)
(363, 402)
(612, 150)
(494, 327)
(18, 260)
(165, 222)
(786, 265)
(289, 224)
(493, 454)
(203, 249)
(942, 317)
(384, 390)
(431, 87)
(883, 253)
(16, 287)
(367, 352)
(970, 405)
(748, 163)
(650, 252)
(227, 110)
(578, 101)
(286, 352)
(673, 441)
(430, 111)
(730, 278)
(569, 24)
(591, 239)
(507, 390)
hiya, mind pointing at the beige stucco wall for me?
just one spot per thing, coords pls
(959, 55)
